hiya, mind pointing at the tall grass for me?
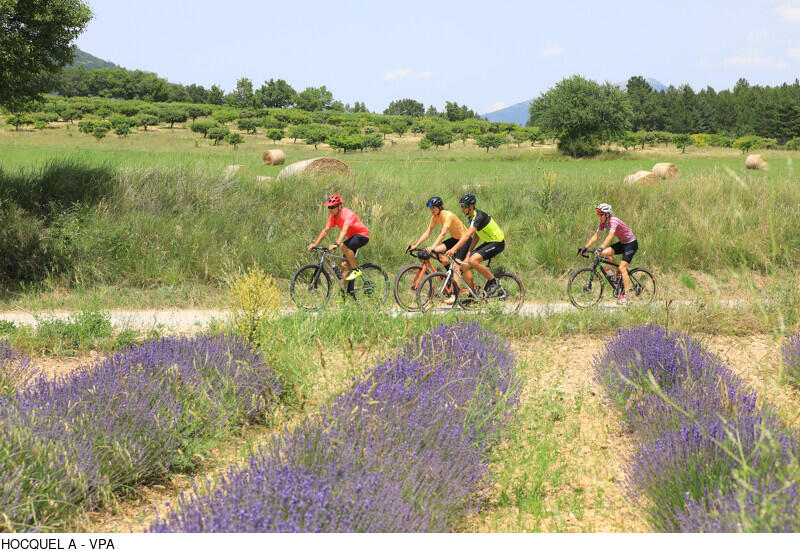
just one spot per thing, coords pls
(179, 219)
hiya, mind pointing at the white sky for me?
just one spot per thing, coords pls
(483, 54)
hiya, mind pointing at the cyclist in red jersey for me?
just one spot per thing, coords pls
(627, 244)
(353, 235)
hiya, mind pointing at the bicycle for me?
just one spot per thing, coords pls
(441, 290)
(310, 287)
(586, 285)
(409, 277)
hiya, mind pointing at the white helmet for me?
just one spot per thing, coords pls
(603, 208)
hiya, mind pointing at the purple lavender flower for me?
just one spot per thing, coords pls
(16, 370)
(125, 420)
(403, 450)
(791, 358)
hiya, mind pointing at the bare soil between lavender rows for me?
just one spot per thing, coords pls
(591, 445)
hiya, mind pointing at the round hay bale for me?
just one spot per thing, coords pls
(264, 179)
(666, 171)
(755, 162)
(273, 157)
(642, 177)
(321, 166)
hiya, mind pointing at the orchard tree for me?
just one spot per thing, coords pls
(399, 126)
(314, 99)
(746, 143)
(22, 119)
(122, 129)
(173, 115)
(99, 132)
(581, 114)
(146, 119)
(490, 140)
(195, 111)
(439, 135)
(35, 42)
(315, 134)
(520, 136)
(234, 139)
(275, 93)
(682, 141)
(217, 133)
(406, 107)
(202, 127)
(274, 134)
(248, 125)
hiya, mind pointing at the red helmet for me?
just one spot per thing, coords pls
(333, 200)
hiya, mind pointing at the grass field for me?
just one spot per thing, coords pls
(170, 225)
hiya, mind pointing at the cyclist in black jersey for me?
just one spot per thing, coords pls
(481, 226)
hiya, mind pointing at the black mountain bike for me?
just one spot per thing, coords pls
(586, 285)
(310, 288)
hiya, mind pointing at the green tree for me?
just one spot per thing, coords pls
(439, 135)
(682, 141)
(520, 136)
(234, 139)
(195, 111)
(406, 107)
(173, 115)
(23, 119)
(454, 112)
(217, 133)
(35, 42)
(99, 132)
(581, 114)
(746, 143)
(315, 134)
(202, 127)
(399, 126)
(490, 140)
(146, 119)
(314, 99)
(628, 140)
(425, 143)
(275, 93)
(793, 144)
(224, 116)
(274, 134)
(248, 125)
(122, 128)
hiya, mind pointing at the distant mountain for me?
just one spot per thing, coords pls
(519, 113)
(90, 62)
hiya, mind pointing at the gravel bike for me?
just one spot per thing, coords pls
(586, 285)
(409, 277)
(443, 290)
(310, 288)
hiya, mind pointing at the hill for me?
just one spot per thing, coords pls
(519, 114)
(89, 61)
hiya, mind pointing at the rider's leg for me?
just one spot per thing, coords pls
(351, 259)
(475, 262)
(440, 248)
(608, 253)
(626, 279)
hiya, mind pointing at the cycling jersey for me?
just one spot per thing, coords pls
(487, 228)
(348, 218)
(448, 220)
(620, 229)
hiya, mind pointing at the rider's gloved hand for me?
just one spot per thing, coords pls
(311, 247)
(598, 250)
(408, 249)
(581, 251)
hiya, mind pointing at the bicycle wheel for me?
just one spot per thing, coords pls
(406, 284)
(643, 286)
(585, 288)
(310, 288)
(508, 296)
(434, 294)
(372, 288)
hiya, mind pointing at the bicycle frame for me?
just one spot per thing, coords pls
(460, 281)
(327, 260)
(600, 259)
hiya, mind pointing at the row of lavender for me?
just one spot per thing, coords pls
(403, 451)
(709, 455)
(73, 442)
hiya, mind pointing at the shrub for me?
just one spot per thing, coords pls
(793, 144)
(253, 300)
(234, 139)
(425, 143)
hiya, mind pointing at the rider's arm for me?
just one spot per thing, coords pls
(319, 238)
(342, 235)
(440, 238)
(594, 238)
(470, 232)
(424, 236)
(607, 240)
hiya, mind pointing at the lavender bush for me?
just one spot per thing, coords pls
(403, 451)
(791, 359)
(125, 420)
(16, 370)
(701, 433)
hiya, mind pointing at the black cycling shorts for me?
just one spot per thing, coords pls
(490, 249)
(627, 250)
(461, 253)
(356, 242)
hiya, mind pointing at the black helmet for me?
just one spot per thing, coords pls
(467, 199)
(435, 202)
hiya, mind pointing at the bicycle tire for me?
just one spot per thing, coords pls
(577, 291)
(432, 294)
(406, 284)
(307, 286)
(372, 288)
(510, 293)
(643, 286)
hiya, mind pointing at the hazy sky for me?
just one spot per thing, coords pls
(486, 54)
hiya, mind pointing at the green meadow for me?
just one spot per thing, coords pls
(159, 218)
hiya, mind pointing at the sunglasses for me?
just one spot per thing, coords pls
(333, 208)
(464, 206)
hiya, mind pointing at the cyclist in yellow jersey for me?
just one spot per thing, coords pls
(450, 223)
(481, 226)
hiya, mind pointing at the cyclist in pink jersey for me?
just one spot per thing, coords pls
(353, 235)
(627, 245)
